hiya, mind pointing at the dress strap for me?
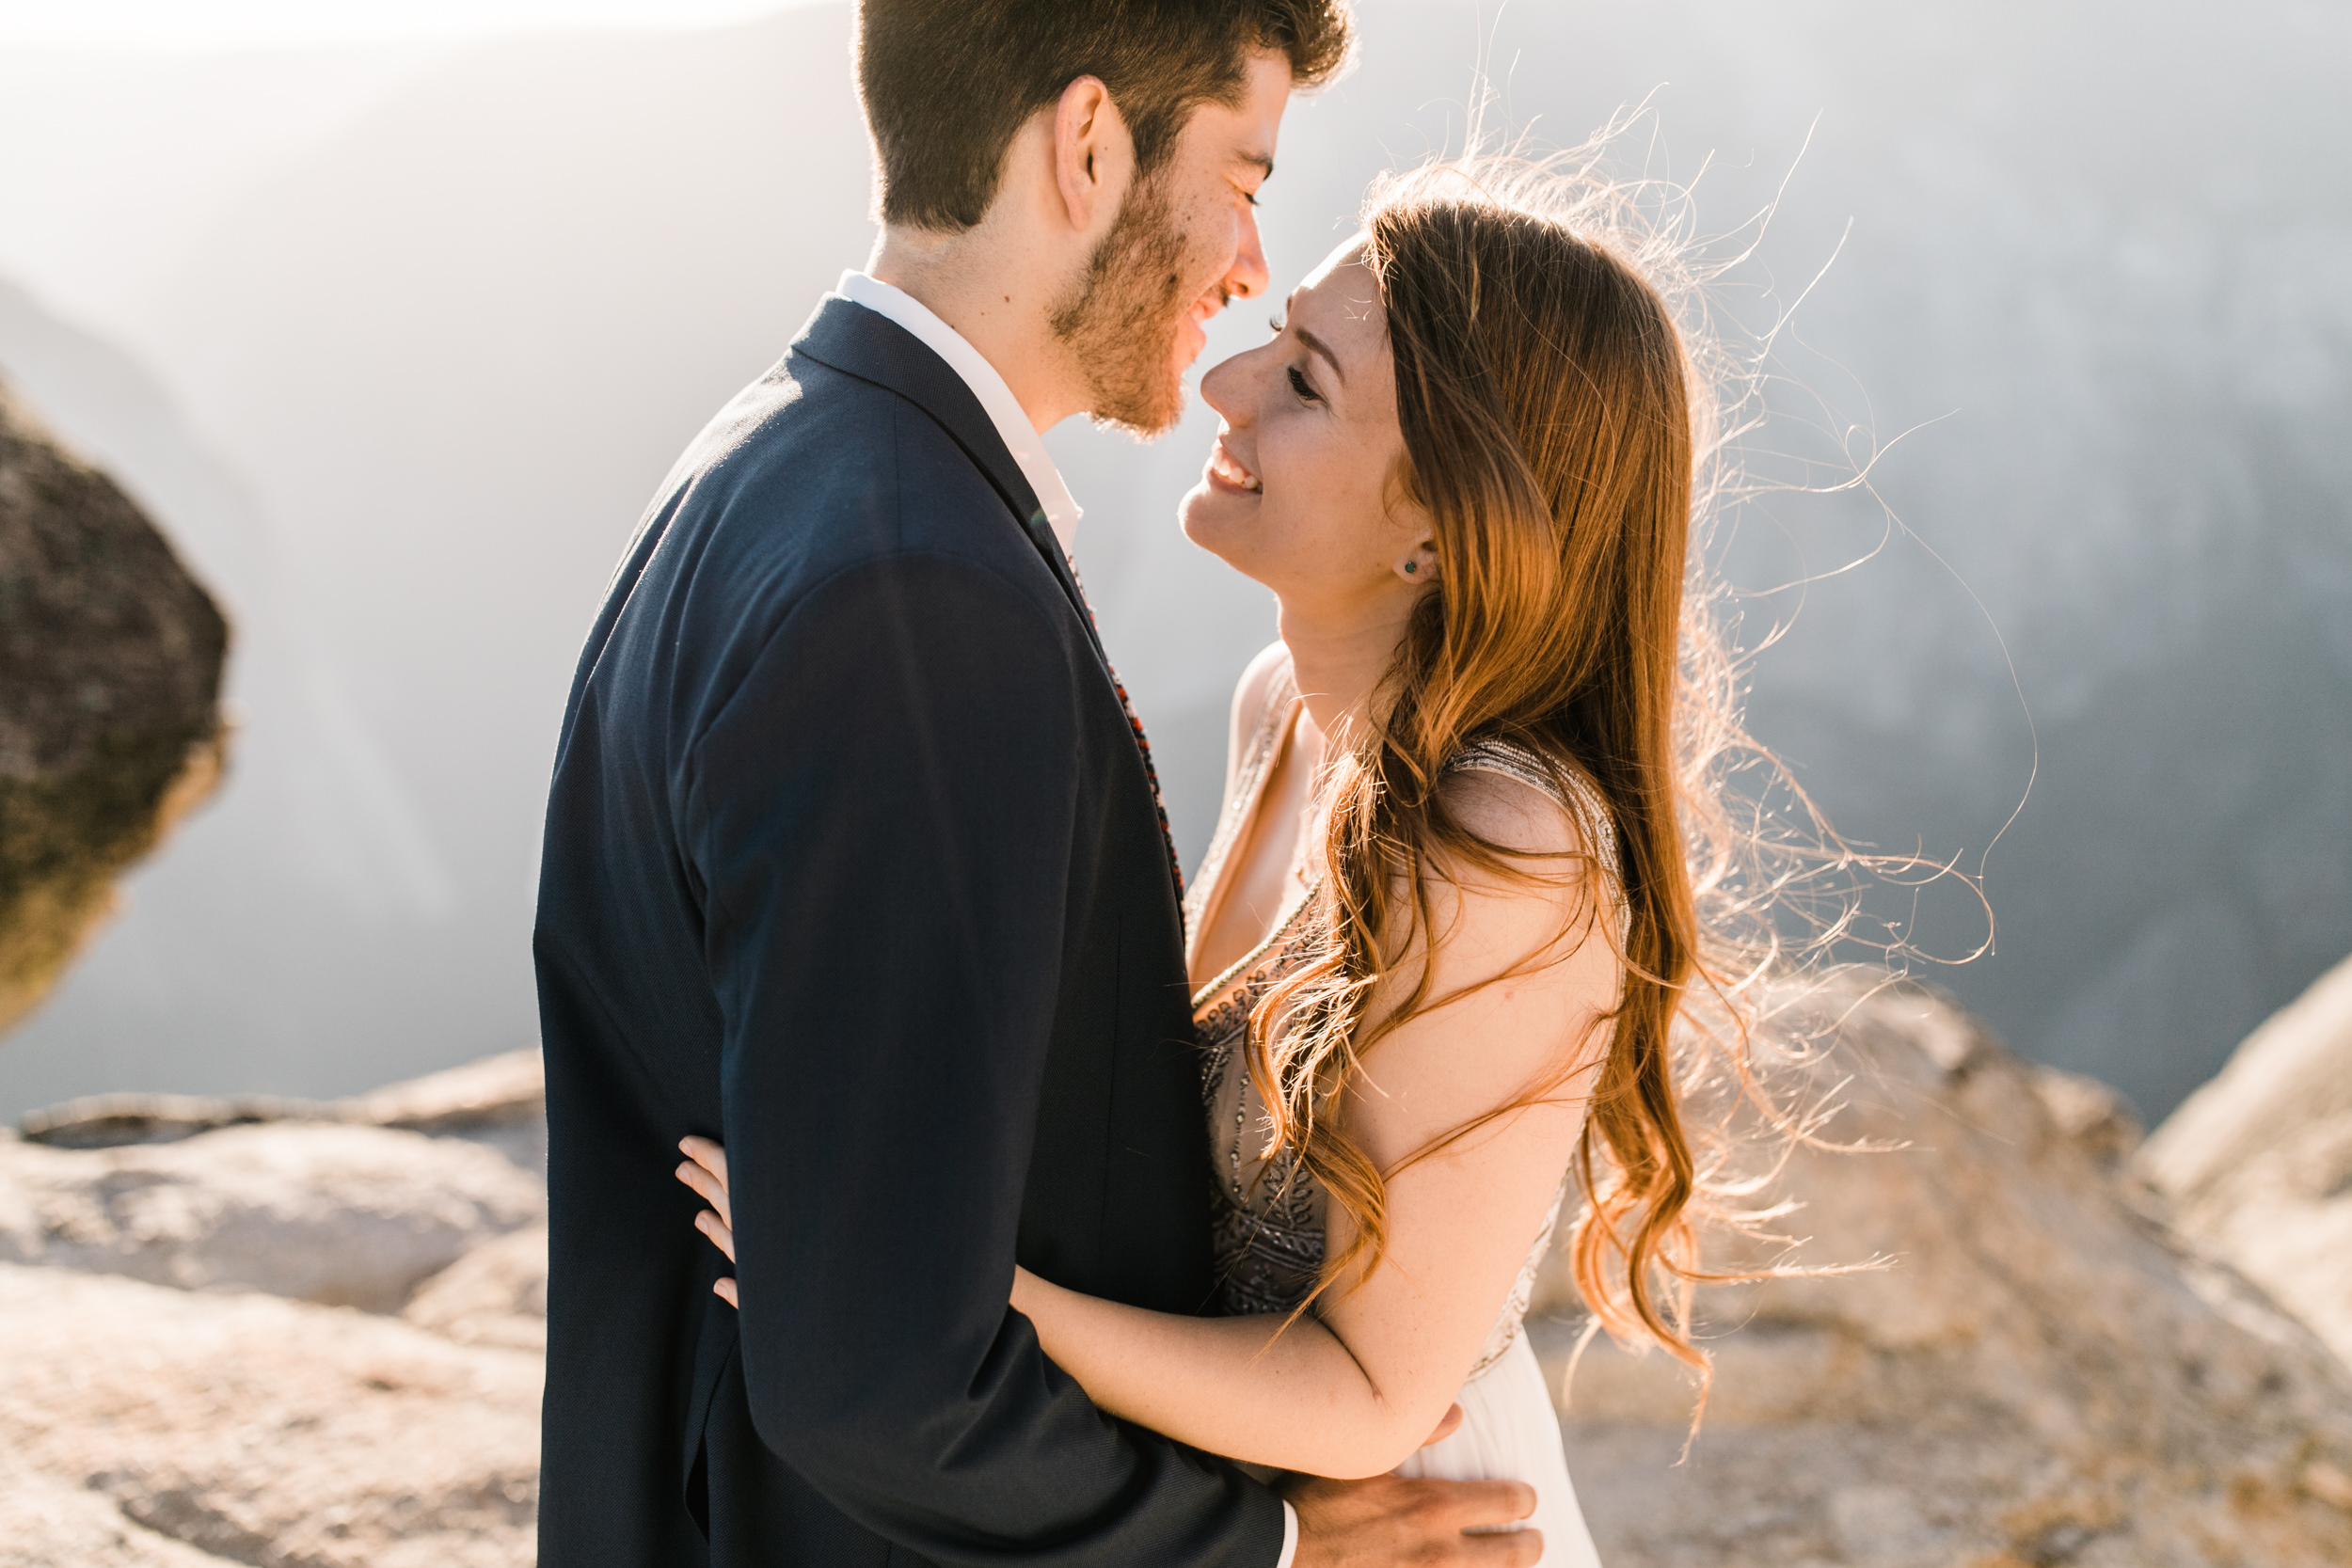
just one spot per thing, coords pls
(1496, 754)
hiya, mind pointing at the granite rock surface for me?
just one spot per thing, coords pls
(2258, 1163)
(2042, 1370)
(245, 1428)
(2037, 1373)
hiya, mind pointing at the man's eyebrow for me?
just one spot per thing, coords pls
(1316, 345)
(1262, 163)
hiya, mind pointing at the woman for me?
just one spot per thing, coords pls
(1442, 943)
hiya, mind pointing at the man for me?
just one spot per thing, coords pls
(852, 861)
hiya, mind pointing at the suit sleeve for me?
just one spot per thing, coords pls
(881, 819)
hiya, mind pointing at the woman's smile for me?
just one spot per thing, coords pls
(1225, 472)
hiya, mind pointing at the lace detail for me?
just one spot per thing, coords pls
(1582, 802)
(1268, 1214)
(1266, 1219)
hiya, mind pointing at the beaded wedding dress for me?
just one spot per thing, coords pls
(1269, 1216)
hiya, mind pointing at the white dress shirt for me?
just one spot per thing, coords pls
(1004, 410)
(1029, 450)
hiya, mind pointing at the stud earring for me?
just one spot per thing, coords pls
(1411, 566)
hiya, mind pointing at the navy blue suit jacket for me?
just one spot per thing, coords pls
(852, 861)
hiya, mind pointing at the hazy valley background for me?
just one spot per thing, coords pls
(397, 341)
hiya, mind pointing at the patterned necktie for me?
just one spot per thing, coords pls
(1143, 745)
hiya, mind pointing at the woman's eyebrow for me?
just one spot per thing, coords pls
(1316, 345)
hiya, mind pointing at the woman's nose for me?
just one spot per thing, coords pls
(1223, 387)
(1216, 386)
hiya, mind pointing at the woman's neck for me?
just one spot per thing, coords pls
(1337, 662)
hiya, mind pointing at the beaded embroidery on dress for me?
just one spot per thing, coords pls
(1268, 1216)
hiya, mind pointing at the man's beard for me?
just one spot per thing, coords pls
(1121, 319)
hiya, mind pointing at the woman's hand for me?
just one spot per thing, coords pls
(706, 1171)
(1044, 1305)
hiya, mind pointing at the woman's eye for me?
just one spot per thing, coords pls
(1299, 384)
(1275, 324)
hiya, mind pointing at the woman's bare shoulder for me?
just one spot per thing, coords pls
(1250, 692)
(1257, 679)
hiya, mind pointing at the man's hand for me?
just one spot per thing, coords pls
(1389, 1522)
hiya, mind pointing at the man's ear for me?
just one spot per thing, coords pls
(1094, 158)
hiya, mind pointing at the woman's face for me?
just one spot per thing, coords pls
(1299, 492)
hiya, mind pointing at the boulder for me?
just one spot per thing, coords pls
(2026, 1371)
(110, 668)
(494, 1092)
(48, 1523)
(248, 1429)
(339, 1214)
(497, 1294)
(2258, 1163)
(499, 1101)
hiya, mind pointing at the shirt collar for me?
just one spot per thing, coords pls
(1004, 410)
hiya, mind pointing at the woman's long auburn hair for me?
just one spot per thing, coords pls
(1556, 429)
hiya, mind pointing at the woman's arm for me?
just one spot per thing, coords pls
(1245, 1387)
(1254, 1376)
(1353, 1391)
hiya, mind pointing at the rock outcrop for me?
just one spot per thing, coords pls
(496, 1294)
(47, 1523)
(495, 1102)
(110, 667)
(178, 1388)
(353, 1203)
(252, 1430)
(2038, 1375)
(348, 1216)
(2258, 1163)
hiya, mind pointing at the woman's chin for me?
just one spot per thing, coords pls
(1201, 514)
(1212, 521)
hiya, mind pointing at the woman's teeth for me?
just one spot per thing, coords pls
(1230, 472)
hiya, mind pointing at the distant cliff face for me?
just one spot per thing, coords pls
(449, 352)
(110, 666)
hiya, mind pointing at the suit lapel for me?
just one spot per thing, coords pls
(859, 342)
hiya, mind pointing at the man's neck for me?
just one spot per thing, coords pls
(979, 285)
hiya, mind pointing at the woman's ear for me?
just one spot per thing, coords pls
(1421, 565)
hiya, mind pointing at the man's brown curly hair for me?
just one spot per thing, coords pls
(946, 83)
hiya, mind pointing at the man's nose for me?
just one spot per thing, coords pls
(1248, 277)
